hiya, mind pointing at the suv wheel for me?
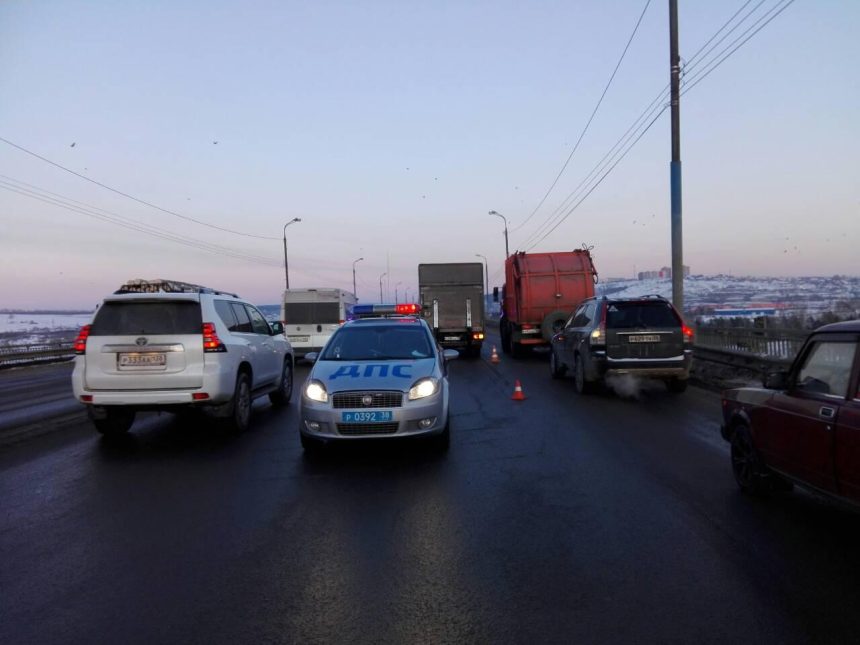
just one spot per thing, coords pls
(240, 418)
(556, 370)
(112, 421)
(284, 393)
(583, 386)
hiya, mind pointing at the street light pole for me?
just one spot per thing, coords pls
(286, 265)
(486, 275)
(507, 252)
(396, 297)
(354, 292)
(380, 285)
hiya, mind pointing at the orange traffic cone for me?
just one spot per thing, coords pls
(494, 356)
(518, 392)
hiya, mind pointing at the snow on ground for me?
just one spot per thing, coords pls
(23, 322)
(812, 294)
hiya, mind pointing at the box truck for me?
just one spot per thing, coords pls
(452, 303)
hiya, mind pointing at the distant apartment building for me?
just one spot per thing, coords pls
(663, 274)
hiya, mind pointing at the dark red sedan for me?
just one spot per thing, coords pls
(804, 426)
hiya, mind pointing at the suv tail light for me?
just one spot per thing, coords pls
(688, 334)
(211, 342)
(81, 340)
(598, 335)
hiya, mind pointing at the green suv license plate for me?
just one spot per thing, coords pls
(371, 416)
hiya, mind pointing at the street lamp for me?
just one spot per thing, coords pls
(354, 292)
(396, 298)
(380, 285)
(406, 294)
(507, 252)
(486, 274)
(286, 265)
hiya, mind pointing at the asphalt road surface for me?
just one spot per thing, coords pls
(559, 519)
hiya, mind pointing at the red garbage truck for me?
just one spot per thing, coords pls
(541, 290)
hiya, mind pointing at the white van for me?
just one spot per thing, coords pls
(311, 316)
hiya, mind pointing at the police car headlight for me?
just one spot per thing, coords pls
(315, 391)
(423, 388)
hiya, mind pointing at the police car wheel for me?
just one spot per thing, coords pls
(311, 446)
(442, 441)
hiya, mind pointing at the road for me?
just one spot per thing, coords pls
(558, 519)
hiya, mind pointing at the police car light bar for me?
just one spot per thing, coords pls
(382, 310)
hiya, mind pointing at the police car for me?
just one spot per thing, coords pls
(380, 375)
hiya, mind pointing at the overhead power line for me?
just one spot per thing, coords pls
(635, 132)
(736, 44)
(631, 132)
(590, 119)
(132, 197)
(54, 199)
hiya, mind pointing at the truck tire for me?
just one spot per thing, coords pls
(505, 335)
(553, 323)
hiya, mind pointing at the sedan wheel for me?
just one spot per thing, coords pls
(746, 464)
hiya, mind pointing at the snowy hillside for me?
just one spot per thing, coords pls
(808, 294)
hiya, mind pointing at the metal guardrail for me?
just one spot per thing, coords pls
(775, 344)
(25, 354)
(737, 346)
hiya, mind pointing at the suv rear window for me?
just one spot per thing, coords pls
(633, 315)
(155, 317)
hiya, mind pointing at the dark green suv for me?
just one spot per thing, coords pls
(642, 337)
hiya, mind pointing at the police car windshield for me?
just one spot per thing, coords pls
(375, 342)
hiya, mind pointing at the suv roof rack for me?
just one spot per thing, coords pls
(161, 285)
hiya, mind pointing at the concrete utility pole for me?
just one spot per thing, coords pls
(675, 167)
(380, 285)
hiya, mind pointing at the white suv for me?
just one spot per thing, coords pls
(167, 345)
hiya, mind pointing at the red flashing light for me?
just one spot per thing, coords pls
(528, 326)
(211, 342)
(408, 308)
(81, 340)
(199, 396)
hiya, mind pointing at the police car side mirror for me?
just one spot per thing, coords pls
(277, 327)
(450, 354)
(311, 357)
